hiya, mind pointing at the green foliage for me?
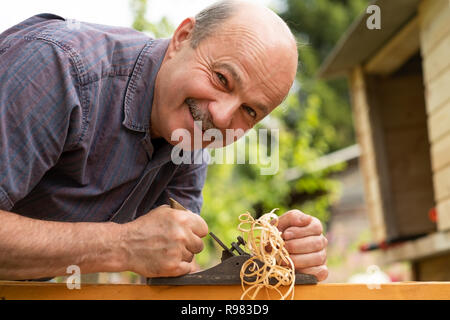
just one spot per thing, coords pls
(313, 120)
(161, 29)
(318, 25)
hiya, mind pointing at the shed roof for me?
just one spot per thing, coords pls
(359, 43)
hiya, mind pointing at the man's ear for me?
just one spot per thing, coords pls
(183, 33)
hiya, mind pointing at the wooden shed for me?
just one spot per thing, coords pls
(399, 79)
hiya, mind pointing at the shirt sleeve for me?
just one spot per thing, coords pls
(186, 186)
(39, 112)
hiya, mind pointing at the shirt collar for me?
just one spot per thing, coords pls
(139, 93)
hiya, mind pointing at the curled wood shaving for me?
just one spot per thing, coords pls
(270, 259)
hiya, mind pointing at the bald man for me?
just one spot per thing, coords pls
(86, 132)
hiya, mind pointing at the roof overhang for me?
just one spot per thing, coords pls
(359, 43)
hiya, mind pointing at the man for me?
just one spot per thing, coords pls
(86, 117)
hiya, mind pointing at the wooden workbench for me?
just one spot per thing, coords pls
(335, 291)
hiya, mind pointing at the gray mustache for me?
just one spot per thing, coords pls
(199, 115)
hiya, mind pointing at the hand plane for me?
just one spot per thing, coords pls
(227, 272)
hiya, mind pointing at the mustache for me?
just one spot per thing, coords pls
(200, 115)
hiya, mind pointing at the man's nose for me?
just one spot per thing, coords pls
(223, 112)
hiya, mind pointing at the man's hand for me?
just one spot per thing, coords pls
(305, 242)
(163, 242)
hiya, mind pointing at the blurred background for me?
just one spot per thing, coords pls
(320, 160)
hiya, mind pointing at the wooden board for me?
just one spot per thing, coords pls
(443, 210)
(359, 43)
(440, 152)
(438, 122)
(442, 184)
(437, 60)
(437, 92)
(335, 291)
(436, 243)
(434, 19)
(397, 51)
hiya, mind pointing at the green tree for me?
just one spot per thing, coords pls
(318, 25)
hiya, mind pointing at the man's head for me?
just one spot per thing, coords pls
(228, 67)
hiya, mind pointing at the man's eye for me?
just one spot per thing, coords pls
(250, 111)
(222, 78)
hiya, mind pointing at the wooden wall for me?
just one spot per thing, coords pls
(370, 162)
(391, 127)
(399, 99)
(434, 21)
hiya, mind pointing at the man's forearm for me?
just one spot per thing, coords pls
(31, 248)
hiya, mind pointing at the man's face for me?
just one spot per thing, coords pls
(231, 80)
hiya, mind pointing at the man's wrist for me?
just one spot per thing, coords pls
(116, 251)
(106, 252)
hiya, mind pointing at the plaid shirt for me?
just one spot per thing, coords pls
(75, 106)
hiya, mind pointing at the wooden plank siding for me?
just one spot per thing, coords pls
(442, 184)
(438, 122)
(434, 21)
(442, 208)
(440, 152)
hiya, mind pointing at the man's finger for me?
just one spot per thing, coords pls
(182, 269)
(312, 229)
(320, 272)
(309, 259)
(293, 218)
(194, 267)
(187, 255)
(306, 245)
(194, 244)
(198, 225)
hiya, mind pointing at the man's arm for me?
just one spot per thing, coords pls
(160, 243)
(31, 248)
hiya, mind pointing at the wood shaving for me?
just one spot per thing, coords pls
(270, 266)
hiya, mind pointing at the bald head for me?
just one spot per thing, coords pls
(230, 19)
(211, 19)
(228, 68)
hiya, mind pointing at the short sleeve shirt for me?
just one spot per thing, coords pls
(75, 108)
